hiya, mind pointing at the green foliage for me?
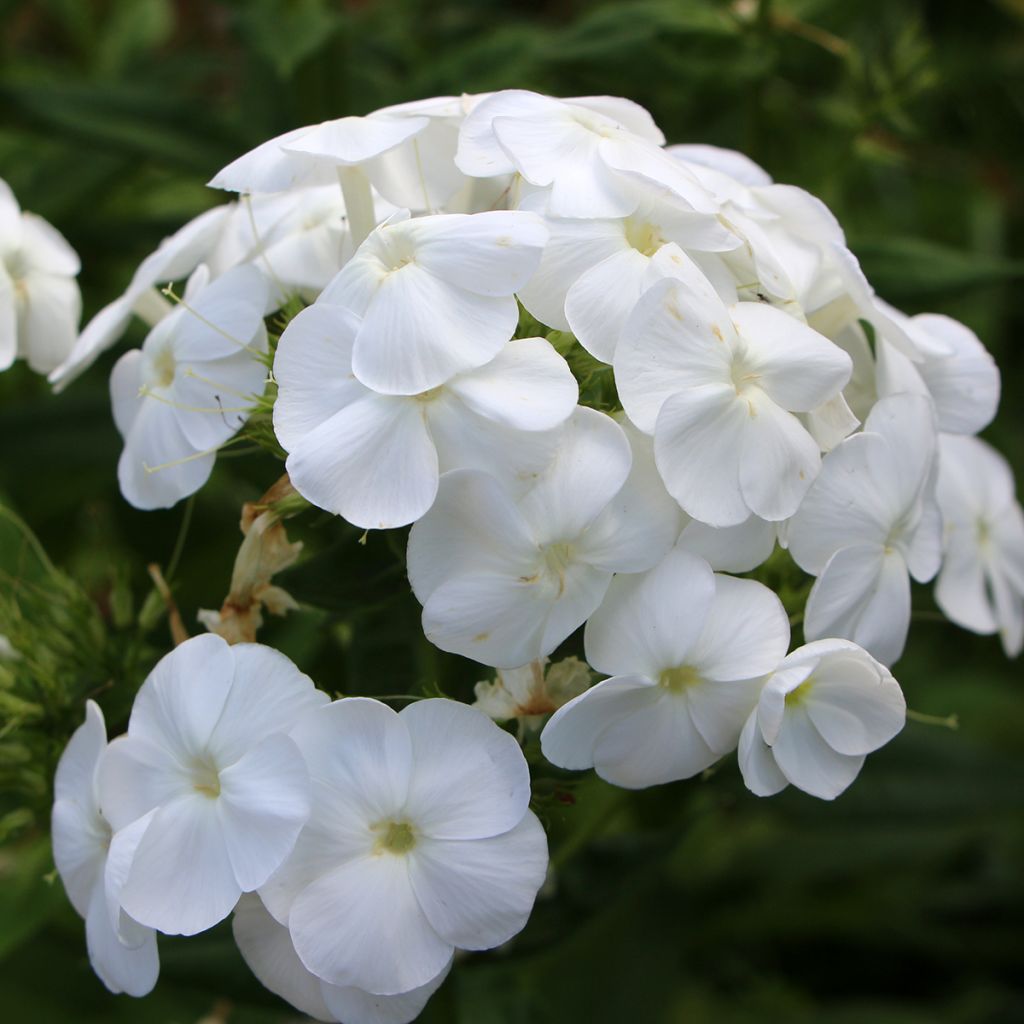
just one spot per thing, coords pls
(900, 904)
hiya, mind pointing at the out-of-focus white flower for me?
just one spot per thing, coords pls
(981, 583)
(267, 948)
(435, 295)
(225, 791)
(39, 298)
(420, 841)
(532, 691)
(176, 258)
(91, 860)
(869, 523)
(827, 706)
(718, 388)
(686, 650)
(375, 459)
(962, 383)
(504, 580)
(190, 387)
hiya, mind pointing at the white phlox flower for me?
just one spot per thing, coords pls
(420, 841)
(594, 271)
(505, 579)
(375, 459)
(267, 948)
(190, 387)
(176, 258)
(686, 650)
(981, 583)
(718, 388)
(586, 152)
(91, 861)
(39, 298)
(531, 691)
(868, 524)
(224, 790)
(436, 295)
(826, 707)
(963, 383)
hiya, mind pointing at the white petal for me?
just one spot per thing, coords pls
(361, 925)
(76, 769)
(479, 153)
(347, 141)
(569, 738)
(121, 968)
(181, 881)
(373, 463)
(80, 840)
(356, 1006)
(649, 623)
(528, 386)
(698, 442)
(47, 248)
(223, 317)
(656, 743)
(137, 776)
(863, 594)
(761, 774)
(48, 320)
(125, 382)
(798, 367)
(478, 893)
(961, 590)
(469, 777)
(808, 762)
(738, 548)
(264, 801)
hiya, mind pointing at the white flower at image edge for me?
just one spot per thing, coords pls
(687, 650)
(39, 298)
(420, 841)
(505, 578)
(267, 948)
(91, 861)
(190, 387)
(981, 583)
(376, 459)
(206, 752)
(827, 706)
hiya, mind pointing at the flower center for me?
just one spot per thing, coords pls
(643, 236)
(429, 396)
(678, 679)
(983, 531)
(163, 368)
(206, 778)
(557, 558)
(798, 695)
(396, 837)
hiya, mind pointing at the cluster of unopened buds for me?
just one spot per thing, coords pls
(604, 380)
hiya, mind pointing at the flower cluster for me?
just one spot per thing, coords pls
(602, 379)
(371, 844)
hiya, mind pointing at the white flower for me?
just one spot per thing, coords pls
(375, 459)
(686, 650)
(594, 271)
(718, 388)
(420, 841)
(39, 298)
(206, 758)
(827, 706)
(175, 258)
(531, 691)
(504, 580)
(267, 948)
(963, 383)
(190, 387)
(586, 152)
(90, 859)
(870, 522)
(435, 295)
(981, 584)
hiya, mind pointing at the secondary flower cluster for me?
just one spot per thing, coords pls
(600, 378)
(358, 847)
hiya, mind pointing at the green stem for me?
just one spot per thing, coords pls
(944, 721)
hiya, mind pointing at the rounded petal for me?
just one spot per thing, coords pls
(760, 773)
(362, 925)
(469, 778)
(808, 762)
(48, 320)
(129, 969)
(478, 893)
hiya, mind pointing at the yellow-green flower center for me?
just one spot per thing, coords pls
(396, 837)
(676, 680)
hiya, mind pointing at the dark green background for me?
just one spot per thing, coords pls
(903, 902)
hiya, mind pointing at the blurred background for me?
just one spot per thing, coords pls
(903, 903)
